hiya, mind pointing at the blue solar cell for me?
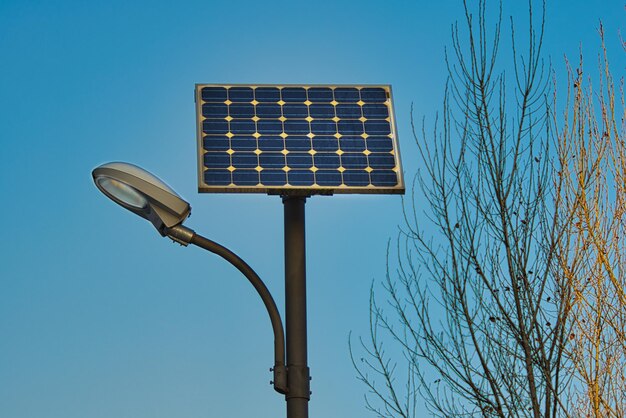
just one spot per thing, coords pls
(216, 159)
(328, 177)
(373, 95)
(272, 160)
(293, 94)
(377, 127)
(217, 177)
(299, 160)
(350, 127)
(384, 178)
(243, 159)
(240, 94)
(348, 111)
(353, 161)
(241, 110)
(322, 111)
(300, 177)
(347, 95)
(379, 143)
(245, 177)
(296, 126)
(268, 110)
(267, 94)
(265, 126)
(214, 126)
(377, 160)
(323, 127)
(214, 94)
(325, 143)
(273, 177)
(271, 143)
(352, 143)
(356, 178)
(242, 126)
(320, 94)
(215, 143)
(243, 143)
(375, 111)
(214, 110)
(297, 143)
(326, 160)
(293, 110)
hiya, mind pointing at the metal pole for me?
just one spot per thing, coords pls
(185, 236)
(298, 394)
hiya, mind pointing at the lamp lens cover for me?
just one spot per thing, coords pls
(122, 192)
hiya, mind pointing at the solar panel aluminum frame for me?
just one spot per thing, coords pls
(297, 190)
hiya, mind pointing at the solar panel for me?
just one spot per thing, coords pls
(294, 139)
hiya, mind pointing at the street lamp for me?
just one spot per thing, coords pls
(147, 196)
(295, 141)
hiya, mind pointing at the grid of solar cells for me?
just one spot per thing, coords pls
(303, 137)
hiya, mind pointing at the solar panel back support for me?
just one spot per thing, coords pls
(297, 140)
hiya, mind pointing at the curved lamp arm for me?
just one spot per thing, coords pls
(185, 236)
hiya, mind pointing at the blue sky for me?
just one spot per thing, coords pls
(99, 315)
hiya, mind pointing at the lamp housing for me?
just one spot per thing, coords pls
(142, 193)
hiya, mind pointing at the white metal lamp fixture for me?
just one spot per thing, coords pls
(142, 193)
(149, 197)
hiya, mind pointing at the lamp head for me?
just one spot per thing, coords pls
(141, 193)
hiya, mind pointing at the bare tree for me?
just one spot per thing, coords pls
(475, 306)
(592, 157)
